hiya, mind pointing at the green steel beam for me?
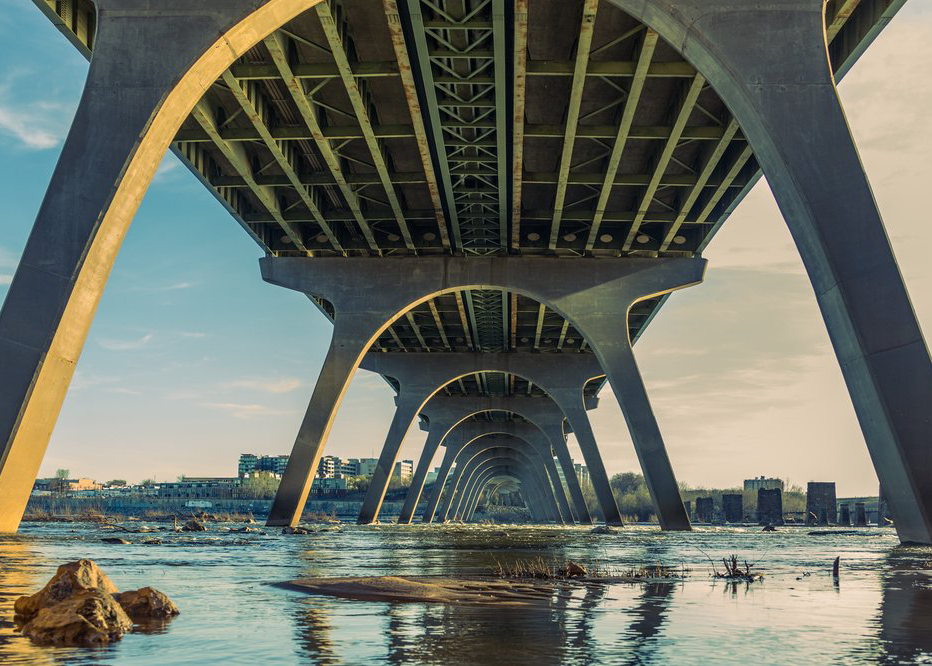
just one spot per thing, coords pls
(624, 127)
(501, 118)
(685, 110)
(417, 118)
(278, 49)
(338, 51)
(236, 155)
(705, 174)
(583, 45)
(519, 95)
(254, 105)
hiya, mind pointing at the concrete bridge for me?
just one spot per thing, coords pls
(490, 199)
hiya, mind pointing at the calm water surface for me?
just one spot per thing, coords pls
(881, 610)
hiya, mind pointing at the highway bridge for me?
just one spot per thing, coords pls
(491, 200)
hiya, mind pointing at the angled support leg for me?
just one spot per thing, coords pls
(487, 460)
(443, 474)
(768, 62)
(594, 294)
(137, 95)
(409, 402)
(352, 335)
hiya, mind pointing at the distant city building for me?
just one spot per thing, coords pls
(200, 487)
(404, 470)
(582, 473)
(762, 483)
(328, 486)
(334, 467)
(249, 463)
(364, 466)
(432, 475)
(66, 485)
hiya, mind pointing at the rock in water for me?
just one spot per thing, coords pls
(146, 603)
(70, 579)
(114, 540)
(295, 530)
(193, 526)
(89, 617)
(603, 529)
(573, 570)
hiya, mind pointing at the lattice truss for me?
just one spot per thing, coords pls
(473, 127)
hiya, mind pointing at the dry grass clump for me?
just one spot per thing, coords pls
(539, 568)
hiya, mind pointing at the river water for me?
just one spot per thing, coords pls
(880, 610)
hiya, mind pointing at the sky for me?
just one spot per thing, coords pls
(192, 359)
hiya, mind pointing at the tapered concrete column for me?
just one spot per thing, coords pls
(535, 410)
(527, 434)
(445, 413)
(484, 483)
(594, 294)
(435, 434)
(565, 375)
(137, 95)
(477, 450)
(488, 458)
(443, 473)
(768, 62)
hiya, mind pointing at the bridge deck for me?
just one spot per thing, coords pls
(478, 127)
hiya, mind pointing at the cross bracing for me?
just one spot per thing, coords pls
(403, 127)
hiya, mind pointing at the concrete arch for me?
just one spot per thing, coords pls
(485, 481)
(489, 486)
(420, 379)
(459, 435)
(550, 476)
(129, 112)
(769, 64)
(497, 474)
(453, 497)
(369, 294)
(536, 437)
(466, 455)
(484, 459)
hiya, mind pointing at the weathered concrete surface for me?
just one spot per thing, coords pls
(483, 448)
(136, 97)
(421, 377)
(452, 413)
(768, 63)
(368, 294)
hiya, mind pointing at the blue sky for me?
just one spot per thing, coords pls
(192, 359)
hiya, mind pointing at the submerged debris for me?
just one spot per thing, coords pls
(734, 572)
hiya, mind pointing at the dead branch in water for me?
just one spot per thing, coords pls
(734, 571)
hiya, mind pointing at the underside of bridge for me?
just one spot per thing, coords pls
(474, 127)
(484, 131)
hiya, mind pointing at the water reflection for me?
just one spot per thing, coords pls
(906, 607)
(17, 577)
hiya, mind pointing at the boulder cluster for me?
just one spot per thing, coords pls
(80, 605)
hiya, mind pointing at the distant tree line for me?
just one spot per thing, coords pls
(633, 497)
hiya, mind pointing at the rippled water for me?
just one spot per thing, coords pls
(881, 610)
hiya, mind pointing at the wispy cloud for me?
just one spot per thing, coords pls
(112, 344)
(269, 385)
(6, 278)
(169, 164)
(34, 125)
(245, 410)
